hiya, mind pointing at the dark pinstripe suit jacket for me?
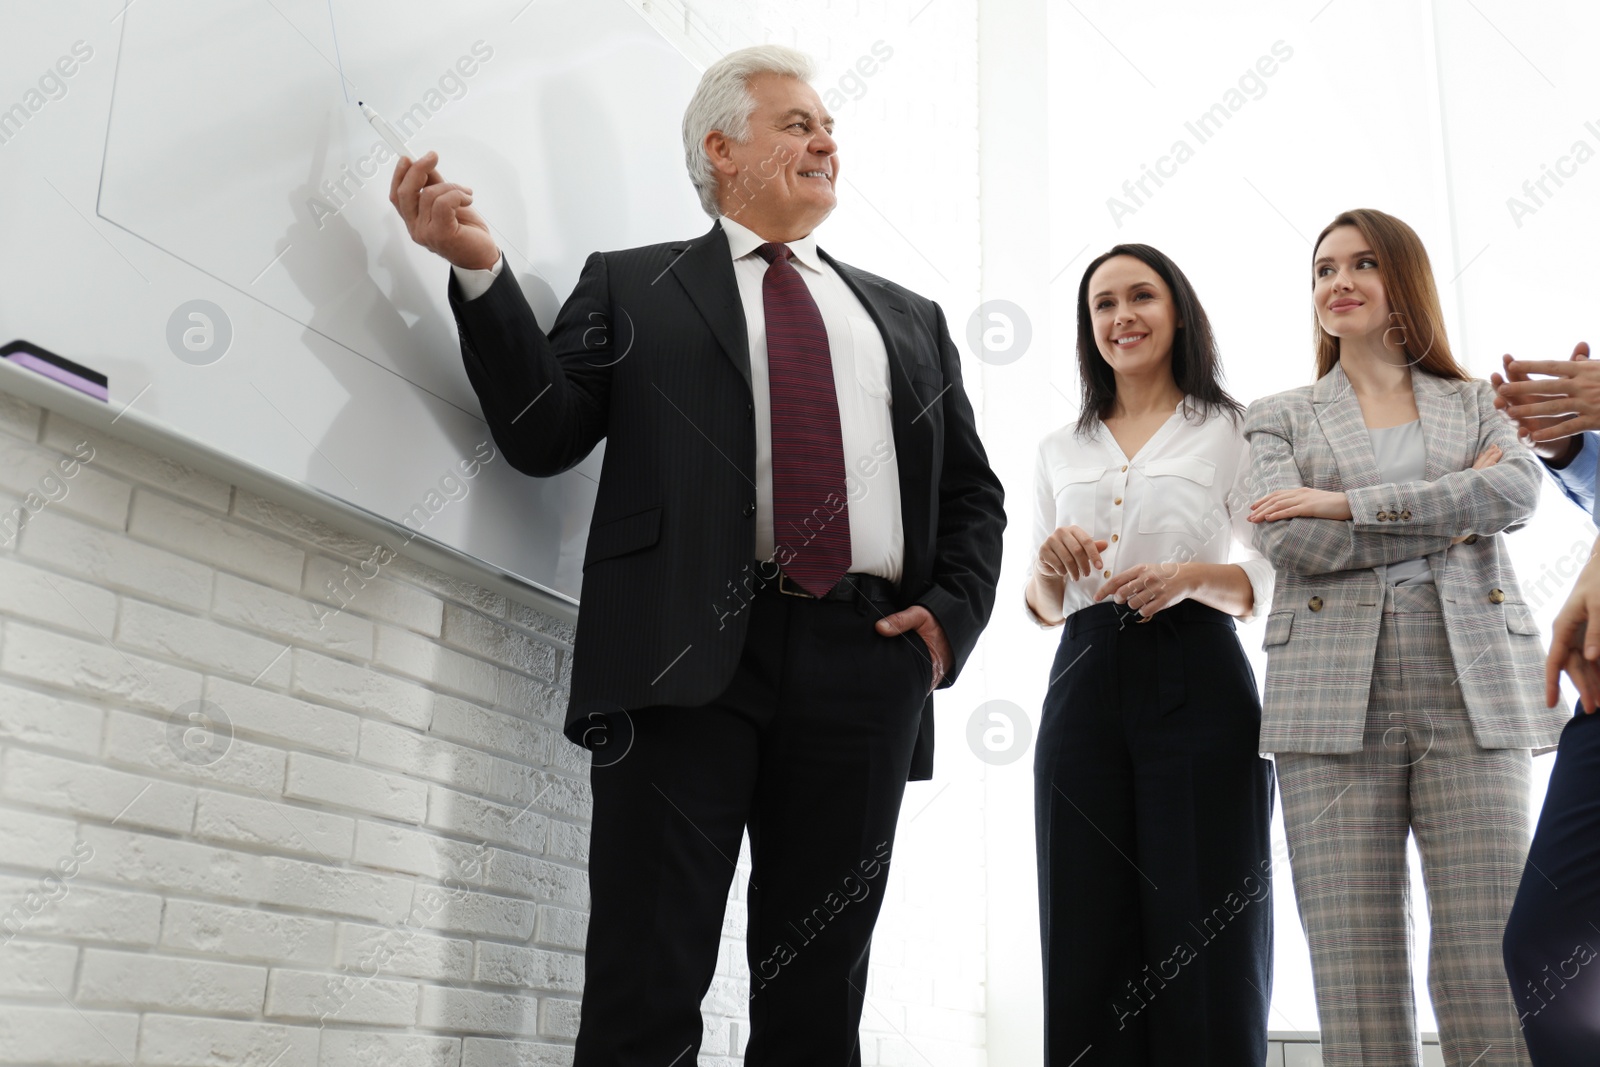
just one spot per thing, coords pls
(651, 353)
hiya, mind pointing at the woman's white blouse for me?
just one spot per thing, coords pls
(1183, 498)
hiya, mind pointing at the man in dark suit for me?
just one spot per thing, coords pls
(795, 540)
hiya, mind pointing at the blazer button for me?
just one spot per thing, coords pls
(1472, 539)
(1497, 596)
(1315, 603)
(1405, 516)
(1383, 516)
(750, 509)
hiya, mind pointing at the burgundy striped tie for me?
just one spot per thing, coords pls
(810, 516)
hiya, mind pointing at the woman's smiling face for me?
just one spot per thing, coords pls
(1132, 312)
(1346, 286)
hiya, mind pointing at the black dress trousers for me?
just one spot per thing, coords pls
(1153, 813)
(1552, 940)
(808, 749)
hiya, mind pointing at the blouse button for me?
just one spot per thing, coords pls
(1113, 538)
(1315, 603)
(1124, 466)
(1108, 574)
(1117, 501)
(1497, 596)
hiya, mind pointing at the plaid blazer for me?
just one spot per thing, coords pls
(1322, 632)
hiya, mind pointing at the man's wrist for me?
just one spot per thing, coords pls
(1572, 446)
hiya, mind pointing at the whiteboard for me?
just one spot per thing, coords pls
(193, 206)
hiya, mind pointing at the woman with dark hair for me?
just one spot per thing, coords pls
(1152, 805)
(1404, 682)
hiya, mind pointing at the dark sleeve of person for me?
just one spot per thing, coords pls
(972, 517)
(545, 397)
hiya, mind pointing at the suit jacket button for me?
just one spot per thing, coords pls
(1497, 596)
(1472, 539)
(1405, 516)
(1315, 603)
(1383, 516)
(749, 411)
(750, 509)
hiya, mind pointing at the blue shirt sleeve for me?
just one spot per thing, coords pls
(1576, 479)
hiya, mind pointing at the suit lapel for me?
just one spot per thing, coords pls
(1444, 423)
(889, 314)
(704, 267)
(1339, 415)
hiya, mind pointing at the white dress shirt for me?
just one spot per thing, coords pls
(1183, 498)
(861, 380)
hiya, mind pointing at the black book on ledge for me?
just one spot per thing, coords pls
(58, 368)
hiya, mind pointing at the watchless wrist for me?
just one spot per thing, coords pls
(1572, 446)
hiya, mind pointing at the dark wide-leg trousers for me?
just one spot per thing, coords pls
(1153, 813)
(808, 749)
(1552, 940)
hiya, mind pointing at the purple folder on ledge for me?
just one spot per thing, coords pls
(47, 363)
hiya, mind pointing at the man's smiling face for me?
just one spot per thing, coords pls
(780, 182)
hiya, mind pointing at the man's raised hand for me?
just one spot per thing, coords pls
(439, 216)
(1550, 412)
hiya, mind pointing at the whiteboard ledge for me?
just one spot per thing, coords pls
(128, 425)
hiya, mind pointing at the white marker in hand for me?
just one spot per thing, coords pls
(386, 131)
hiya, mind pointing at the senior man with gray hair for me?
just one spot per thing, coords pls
(796, 539)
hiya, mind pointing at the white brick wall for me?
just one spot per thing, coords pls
(384, 862)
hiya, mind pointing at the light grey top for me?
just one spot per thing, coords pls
(1402, 457)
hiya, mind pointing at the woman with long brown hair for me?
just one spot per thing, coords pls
(1404, 684)
(1153, 806)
